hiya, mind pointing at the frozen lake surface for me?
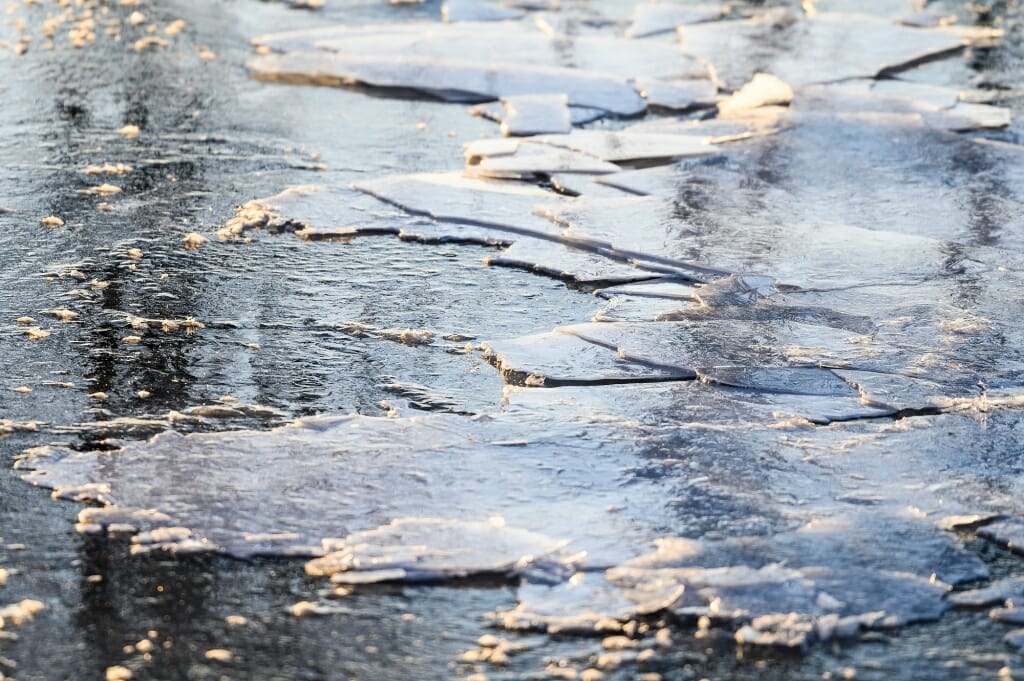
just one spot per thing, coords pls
(511, 340)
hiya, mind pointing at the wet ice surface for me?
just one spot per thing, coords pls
(788, 415)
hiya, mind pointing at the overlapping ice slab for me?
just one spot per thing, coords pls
(575, 265)
(636, 309)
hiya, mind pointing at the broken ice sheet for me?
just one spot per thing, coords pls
(797, 381)
(691, 403)
(553, 359)
(429, 549)
(651, 301)
(964, 116)
(652, 18)
(635, 309)
(631, 228)
(495, 111)
(451, 80)
(823, 47)
(430, 232)
(575, 265)
(452, 197)
(708, 342)
(526, 115)
(879, 8)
